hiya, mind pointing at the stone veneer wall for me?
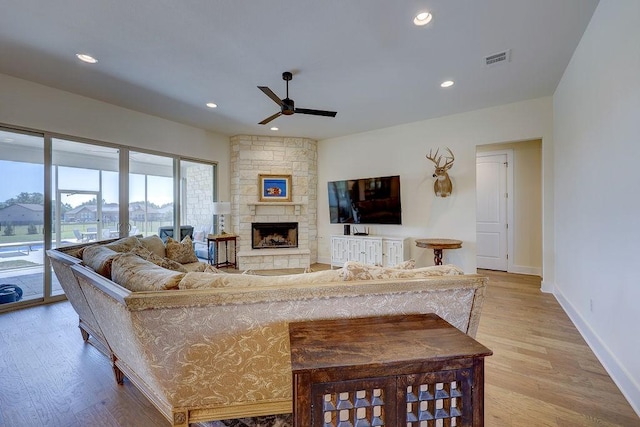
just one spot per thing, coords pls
(254, 155)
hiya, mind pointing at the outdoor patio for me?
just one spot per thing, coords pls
(25, 269)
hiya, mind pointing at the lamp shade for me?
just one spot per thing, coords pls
(221, 208)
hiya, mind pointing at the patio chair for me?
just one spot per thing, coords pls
(78, 235)
(167, 231)
(200, 242)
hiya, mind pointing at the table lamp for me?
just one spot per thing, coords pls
(220, 209)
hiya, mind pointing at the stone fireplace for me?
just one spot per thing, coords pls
(253, 155)
(274, 235)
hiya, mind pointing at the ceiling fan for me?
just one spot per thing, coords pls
(287, 106)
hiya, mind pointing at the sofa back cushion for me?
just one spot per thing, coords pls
(99, 258)
(204, 280)
(181, 252)
(136, 274)
(358, 271)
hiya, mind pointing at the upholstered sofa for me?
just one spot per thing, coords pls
(204, 345)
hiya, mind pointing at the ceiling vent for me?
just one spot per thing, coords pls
(498, 58)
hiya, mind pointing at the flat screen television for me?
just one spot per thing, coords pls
(365, 201)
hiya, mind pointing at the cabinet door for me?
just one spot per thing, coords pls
(356, 250)
(339, 251)
(372, 251)
(393, 251)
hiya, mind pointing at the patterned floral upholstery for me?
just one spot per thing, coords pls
(218, 346)
(181, 252)
(357, 271)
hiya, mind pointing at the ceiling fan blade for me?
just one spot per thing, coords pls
(268, 119)
(316, 112)
(271, 95)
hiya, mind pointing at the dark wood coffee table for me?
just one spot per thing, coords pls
(388, 370)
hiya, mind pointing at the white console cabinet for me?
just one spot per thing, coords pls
(373, 250)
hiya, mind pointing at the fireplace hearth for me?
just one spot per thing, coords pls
(274, 235)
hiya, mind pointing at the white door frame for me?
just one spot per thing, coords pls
(510, 205)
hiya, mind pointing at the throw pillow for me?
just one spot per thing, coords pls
(163, 262)
(154, 244)
(123, 245)
(181, 252)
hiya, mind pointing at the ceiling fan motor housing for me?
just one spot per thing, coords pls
(288, 107)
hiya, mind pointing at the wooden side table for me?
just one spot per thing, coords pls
(217, 239)
(438, 245)
(390, 370)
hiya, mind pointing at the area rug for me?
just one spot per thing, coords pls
(283, 420)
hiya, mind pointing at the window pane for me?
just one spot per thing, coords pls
(21, 217)
(150, 193)
(196, 200)
(85, 192)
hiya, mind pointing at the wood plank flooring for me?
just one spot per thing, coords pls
(542, 372)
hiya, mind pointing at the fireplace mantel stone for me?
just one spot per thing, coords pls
(254, 206)
(252, 155)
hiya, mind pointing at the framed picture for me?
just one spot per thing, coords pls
(274, 188)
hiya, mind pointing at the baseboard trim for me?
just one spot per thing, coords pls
(630, 390)
(523, 269)
(547, 287)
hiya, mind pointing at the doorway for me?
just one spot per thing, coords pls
(509, 203)
(492, 210)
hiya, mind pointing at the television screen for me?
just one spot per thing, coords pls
(365, 201)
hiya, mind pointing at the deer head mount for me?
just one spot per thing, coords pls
(442, 186)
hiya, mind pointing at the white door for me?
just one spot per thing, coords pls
(491, 211)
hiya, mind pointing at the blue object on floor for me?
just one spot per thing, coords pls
(10, 293)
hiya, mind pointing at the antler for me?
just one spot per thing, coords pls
(449, 162)
(432, 157)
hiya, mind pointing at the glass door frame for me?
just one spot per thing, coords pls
(49, 192)
(58, 210)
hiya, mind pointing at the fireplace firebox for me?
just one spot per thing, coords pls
(274, 235)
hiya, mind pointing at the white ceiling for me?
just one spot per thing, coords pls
(362, 58)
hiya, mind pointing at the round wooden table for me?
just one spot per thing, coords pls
(438, 245)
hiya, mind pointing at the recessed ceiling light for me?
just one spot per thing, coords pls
(211, 105)
(274, 128)
(423, 18)
(86, 58)
(447, 83)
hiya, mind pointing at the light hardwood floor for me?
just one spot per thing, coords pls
(541, 374)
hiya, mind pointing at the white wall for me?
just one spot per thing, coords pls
(402, 149)
(39, 107)
(597, 182)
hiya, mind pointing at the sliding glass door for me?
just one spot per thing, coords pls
(85, 189)
(58, 192)
(22, 224)
(151, 192)
(197, 193)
